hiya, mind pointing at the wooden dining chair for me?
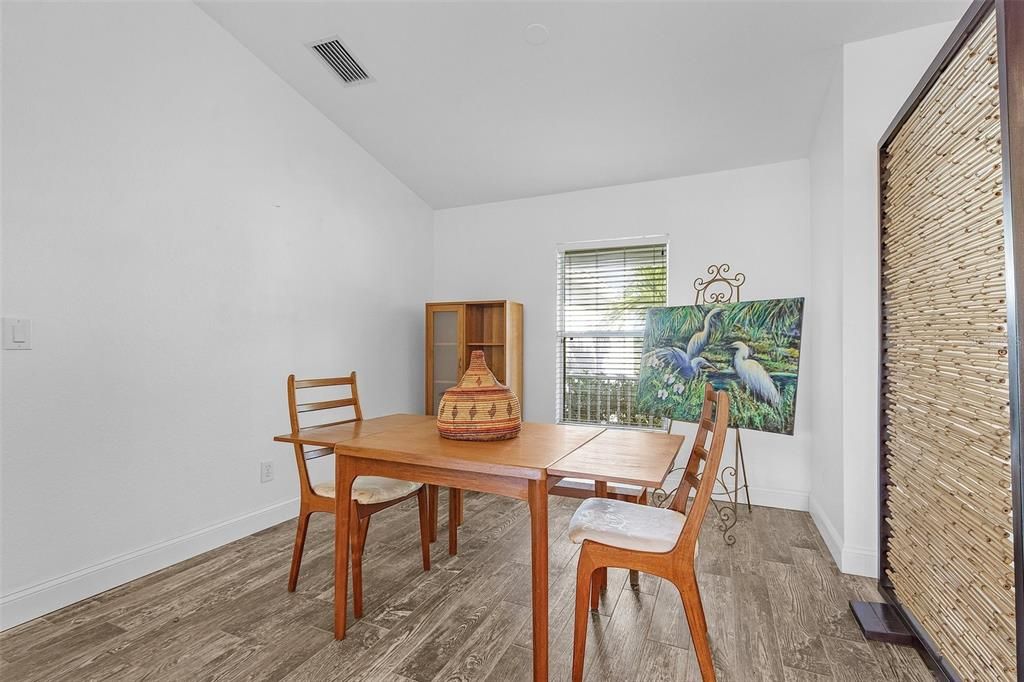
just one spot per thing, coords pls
(661, 542)
(370, 494)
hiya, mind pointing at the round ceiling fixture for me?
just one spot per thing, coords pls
(536, 34)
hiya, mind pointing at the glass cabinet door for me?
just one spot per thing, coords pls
(444, 349)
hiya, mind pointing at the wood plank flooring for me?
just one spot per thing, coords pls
(775, 602)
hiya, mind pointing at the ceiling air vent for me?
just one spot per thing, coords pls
(337, 57)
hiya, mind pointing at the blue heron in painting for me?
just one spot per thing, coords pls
(680, 361)
(754, 376)
(700, 338)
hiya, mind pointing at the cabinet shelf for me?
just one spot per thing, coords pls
(485, 343)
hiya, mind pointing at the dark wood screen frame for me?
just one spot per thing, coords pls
(1010, 26)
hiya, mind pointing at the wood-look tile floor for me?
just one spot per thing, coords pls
(776, 606)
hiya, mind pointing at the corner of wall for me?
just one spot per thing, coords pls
(825, 342)
(849, 558)
(832, 537)
(859, 561)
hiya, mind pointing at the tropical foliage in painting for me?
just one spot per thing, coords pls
(751, 349)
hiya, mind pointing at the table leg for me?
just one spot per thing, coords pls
(454, 504)
(344, 475)
(601, 490)
(432, 491)
(538, 499)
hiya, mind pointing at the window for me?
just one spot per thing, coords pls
(603, 297)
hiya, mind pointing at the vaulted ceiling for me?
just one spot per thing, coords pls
(465, 109)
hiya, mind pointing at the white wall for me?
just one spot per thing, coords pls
(184, 231)
(876, 77)
(755, 219)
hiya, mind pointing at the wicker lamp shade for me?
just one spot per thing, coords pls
(479, 408)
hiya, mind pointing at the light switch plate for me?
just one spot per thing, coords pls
(17, 333)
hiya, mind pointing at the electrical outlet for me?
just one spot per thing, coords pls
(266, 472)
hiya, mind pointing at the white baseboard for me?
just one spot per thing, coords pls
(763, 497)
(833, 540)
(50, 595)
(860, 561)
(773, 497)
(849, 559)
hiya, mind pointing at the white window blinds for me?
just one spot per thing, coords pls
(603, 297)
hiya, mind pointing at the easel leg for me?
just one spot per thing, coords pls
(741, 467)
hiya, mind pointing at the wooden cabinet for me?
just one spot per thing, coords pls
(456, 329)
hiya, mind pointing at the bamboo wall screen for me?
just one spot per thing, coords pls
(947, 506)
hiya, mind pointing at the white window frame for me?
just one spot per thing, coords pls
(560, 331)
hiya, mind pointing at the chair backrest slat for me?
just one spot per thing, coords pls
(714, 420)
(325, 405)
(315, 383)
(295, 408)
(691, 479)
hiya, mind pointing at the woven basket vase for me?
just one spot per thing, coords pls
(479, 408)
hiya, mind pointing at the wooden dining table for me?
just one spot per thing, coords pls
(408, 447)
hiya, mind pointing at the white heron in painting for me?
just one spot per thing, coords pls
(700, 338)
(680, 361)
(754, 376)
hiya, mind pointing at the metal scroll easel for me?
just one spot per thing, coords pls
(719, 287)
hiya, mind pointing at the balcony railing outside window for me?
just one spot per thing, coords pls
(604, 400)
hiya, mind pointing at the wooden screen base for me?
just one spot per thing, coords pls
(881, 623)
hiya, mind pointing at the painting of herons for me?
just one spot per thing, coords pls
(751, 349)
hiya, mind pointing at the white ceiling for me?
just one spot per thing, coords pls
(464, 110)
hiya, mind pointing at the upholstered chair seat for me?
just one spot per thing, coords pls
(626, 525)
(372, 489)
